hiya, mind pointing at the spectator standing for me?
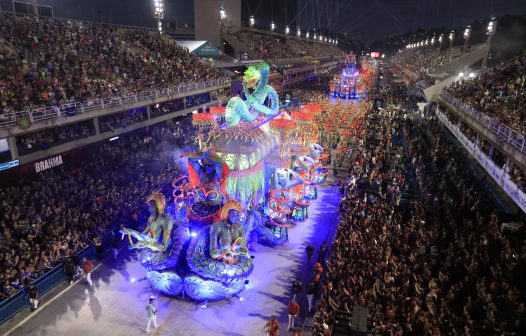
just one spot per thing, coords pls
(115, 245)
(151, 312)
(32, 295)
(69, 268)
(318, 269)
(322, 251)
(294, 310)
(296, 288)
(272, 326)
(311, 292)
(98, 247)
(310, 252)
(87, 267)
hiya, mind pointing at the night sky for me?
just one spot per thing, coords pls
(369, 20)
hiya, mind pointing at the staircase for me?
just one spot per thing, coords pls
(478, 53)
(7, 49)
(238, 46)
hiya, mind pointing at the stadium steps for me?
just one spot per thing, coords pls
(7, 49)
(478, 53)
(239, 46)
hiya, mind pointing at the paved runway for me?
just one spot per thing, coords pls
(115, 306)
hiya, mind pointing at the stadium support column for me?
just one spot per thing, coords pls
(207, 21)
(35, 8)
(12, 147)
(210, 16)
(149, 112)
(96, 125)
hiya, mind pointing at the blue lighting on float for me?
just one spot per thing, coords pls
(133, 280)
(193, 234)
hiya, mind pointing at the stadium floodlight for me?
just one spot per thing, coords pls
(440, 38)
(307, 35)
(321, 38)
(287, 30)
(158, 6)
(222, 13)
(471, 74)
(452, 35)
(491, 26)
(251, 21)
(298, 32)
(461, 74)
(272, 26)
(315, 36)
(336, 41)
(433, 40)
(325, 39)
(467, 32)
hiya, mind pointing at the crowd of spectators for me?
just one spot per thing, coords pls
(422, 62)
(514, 172)
(265, 46)
(49, 217)
(120, 120)
(42, 140)
(315, 49)
(499, 92)
(435, 264)
(271, 47)
(58, 61)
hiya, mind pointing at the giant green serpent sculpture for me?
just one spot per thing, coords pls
(256, 91)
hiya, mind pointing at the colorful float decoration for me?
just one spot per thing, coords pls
(248, 183)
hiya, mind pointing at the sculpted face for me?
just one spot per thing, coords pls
(251, 77)
(152, 207)
(233, 216)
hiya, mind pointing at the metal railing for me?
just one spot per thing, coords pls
(511, 136)
(49, 280)
(498, 173)
(8, 120)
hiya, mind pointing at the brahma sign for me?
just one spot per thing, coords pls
(46, 164)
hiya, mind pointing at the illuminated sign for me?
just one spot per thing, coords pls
(10, 164)
(375, 54)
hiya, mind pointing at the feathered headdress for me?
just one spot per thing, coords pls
(230, 205)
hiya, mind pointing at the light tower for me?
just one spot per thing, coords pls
(159, 13)
(251, 21)
(467, 34)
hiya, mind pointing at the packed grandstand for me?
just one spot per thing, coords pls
(431, 181)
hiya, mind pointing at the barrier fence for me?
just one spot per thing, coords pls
(8, 120)
(52, 278)
(512, 137)
(499, 175)
(55, 276)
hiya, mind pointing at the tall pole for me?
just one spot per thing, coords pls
(35, 8)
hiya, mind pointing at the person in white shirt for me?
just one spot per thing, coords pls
(151, 312)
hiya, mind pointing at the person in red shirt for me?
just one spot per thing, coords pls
(272, 326)
(294, 310)
(87, 267)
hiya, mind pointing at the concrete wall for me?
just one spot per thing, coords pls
(233, 10)
(207, 21)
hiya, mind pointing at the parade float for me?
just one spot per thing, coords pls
(254, 166)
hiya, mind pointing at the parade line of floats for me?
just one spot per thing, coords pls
(254, 173)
